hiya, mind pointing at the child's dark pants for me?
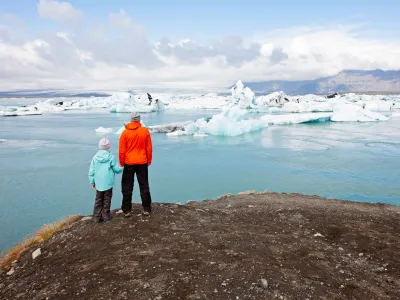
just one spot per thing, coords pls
(102, 205)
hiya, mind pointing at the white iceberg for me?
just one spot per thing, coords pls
(171, 127)
(243, 96)
(230, 122)
(22, 113)
(354, 113)
(273, 99)
(297, 118)
(103, 130)
(3, 140)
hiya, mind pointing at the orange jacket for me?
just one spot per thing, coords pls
(135, 146)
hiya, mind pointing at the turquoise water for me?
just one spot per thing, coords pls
(45, 160)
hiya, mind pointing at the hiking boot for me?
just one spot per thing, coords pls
(108, 219)
(146, 211)
(128, 215)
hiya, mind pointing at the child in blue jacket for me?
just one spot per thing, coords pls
(102, 177)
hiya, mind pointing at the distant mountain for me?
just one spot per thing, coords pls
(344, 82)
(49, 93)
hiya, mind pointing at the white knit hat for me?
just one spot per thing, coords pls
(104, 144)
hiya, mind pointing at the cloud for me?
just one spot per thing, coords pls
(118, 54)
(231, 48)
(278, 55)
(57, 11)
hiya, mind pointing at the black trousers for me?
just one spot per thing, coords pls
(102, 205)
(128, 176)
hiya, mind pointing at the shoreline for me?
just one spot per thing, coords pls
(251, 245)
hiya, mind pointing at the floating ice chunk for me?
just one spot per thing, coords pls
(3, 140)
(312, 98)
(378, 105)
(230, 122)
(104, 130)
(21, 113)
(297, 119)
(243, 96)
(273, 99)
(274, 110)
(171, 127)
(354, 113)
(293, 107)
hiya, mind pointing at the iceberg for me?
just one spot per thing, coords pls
(103, 130)
(243, 96)
(297, 118)
(350, 112)
(273, 99)
(230, 122)
(3, 140)
(274, 110)
(127, 103)
(206, 101)
(171, 127)
(21, 113)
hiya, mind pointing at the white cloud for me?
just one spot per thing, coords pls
(117, 54)
(57, 11)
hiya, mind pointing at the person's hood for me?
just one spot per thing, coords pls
(133, 125)
(103, 156)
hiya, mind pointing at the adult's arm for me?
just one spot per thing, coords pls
(122, 149)
(149, 149)
(91, 173)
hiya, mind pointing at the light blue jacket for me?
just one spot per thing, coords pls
(102, 170)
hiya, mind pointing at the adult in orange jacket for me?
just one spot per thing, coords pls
(135, 155)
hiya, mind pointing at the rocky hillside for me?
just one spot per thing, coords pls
(345, 81)
(249, 246)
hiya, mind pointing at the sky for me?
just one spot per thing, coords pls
(121, 44)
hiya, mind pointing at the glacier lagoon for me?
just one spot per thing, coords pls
(45, 159)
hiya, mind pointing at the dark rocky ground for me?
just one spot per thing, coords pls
(304, 247)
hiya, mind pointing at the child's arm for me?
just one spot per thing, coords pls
(91, 173)
(115, 167)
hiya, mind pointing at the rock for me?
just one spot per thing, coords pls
(87, 218)
(264, 283)
(318, 235)
(190, 201)
(146, 285)
(178, 203)
(14, 263)
(223, 197)
(341, 249)
(251, 192)
(36, 253)
(120, 212)
(361, 254)
(12, 271)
